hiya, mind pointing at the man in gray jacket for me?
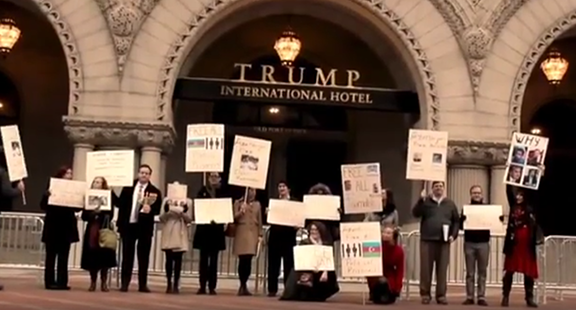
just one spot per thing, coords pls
(7, 190)
(439, 225)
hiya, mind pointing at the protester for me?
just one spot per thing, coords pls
(389, 214)
(476, 253)
(387, 288)
(439, 225)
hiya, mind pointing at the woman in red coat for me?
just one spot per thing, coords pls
(385, 289)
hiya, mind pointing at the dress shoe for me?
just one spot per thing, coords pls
(271, 294)
(442, 301)
(92, 287)
(530, 303)
(104, 287)
(505, 301)
(213, 292)
(176, 290)
(243, 291)
(482, 302)
(201, 291)
(51, 287)
(468, 302)
(124, 289)
(144, 290)
(425, 300)
(169, 288)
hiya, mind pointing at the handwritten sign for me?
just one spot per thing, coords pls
(313, 258)
(426, 155)
(205, 148)
(67, 193)
(361, 249)
(362, 189)
(483, 217)
(177, 192)
(98, 199)
(249, 165)
(14, 153)
(526, 155)
(286, 213)
(117, 167)
(322, 207)
(217, 210)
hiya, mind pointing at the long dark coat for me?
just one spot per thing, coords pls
(96, 258)
(210, 237)
(60, 223)
(536, 233)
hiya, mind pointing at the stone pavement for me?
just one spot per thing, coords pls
(23, 291)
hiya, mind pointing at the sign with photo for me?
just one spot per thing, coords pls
(362, 189)
(361, 249)
(67, 193)
(249, 165)
(526, 156)
(117, 167)
(98, 199)
(205, 148)
(14, 153)
(426, 155)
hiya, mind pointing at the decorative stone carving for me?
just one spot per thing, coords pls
(477, 153)
(477, 43)
(530, 61)
(124, 134)
(177, 52)
(71, 52)
(124, 19)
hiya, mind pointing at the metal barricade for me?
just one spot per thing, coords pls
(558, 270)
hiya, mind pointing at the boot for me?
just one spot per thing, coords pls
(529, 291)
(93, 279)
(92, 287)
(104, 280)
(169, 288)
(506, 288)
(176, 287)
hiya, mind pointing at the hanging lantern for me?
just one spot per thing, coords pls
(554, 67)
(288, 47)
(9, 35)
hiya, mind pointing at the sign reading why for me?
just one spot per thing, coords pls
(525, 160)
(324, 90)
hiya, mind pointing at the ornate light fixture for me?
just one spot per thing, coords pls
(288, 47)
(554, 67)
(9, 35)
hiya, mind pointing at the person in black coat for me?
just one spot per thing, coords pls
(281, 242)
(8, 190)
(209, 239)
(60, 231)
(96, 259)
(137, 206)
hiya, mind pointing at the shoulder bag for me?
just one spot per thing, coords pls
(107, 239)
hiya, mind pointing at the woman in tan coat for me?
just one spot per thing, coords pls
(175, 240)
(248, 221)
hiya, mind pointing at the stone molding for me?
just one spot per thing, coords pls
(124, 19)
(125, 134)
(475, 32)
(71, 52)
(178, 51)
(477, 153)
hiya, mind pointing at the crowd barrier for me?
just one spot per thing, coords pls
(21, 247)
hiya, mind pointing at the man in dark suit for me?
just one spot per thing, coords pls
(137, 206)
(281, 242)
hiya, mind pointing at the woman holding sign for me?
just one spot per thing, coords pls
(522, 236)
(248, 220)
(60, 231)
(96, 258)
(312, 285)
(386, 289)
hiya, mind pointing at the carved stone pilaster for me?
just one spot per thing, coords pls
(477, 153)
(124, 19)
(124, 134)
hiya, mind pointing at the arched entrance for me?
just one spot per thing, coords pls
(310, 139)
(35, 92)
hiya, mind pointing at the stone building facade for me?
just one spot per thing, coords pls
(470, 61)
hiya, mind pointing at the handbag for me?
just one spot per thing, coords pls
(107, 237)
(230, 230)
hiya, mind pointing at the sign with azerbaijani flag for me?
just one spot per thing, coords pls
(361, 249)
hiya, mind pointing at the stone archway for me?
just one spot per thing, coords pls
(416, 41)
(516, 54)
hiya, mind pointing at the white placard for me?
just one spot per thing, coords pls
(205, 148)
(526, 155)
(67, 193)
(362, 189)
(249, 165)
(14, 153)
(483, 217)
(117, 167)
(177, 191)
(426, 155)
(313, 258)
(361, 249)
(98, 198)
(322, 207)
(217, 210)
(286, 213)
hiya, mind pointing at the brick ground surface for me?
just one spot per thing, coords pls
(25, 293)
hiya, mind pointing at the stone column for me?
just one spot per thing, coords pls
(152, 156)
(162, 184)
(498, 188)
(462, 177)
(81, 150)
